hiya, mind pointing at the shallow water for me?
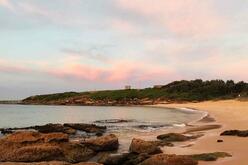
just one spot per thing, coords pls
(136, 121)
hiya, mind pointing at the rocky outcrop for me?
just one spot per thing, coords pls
(139, 146)
(36, 147)
(6, 131)
(175, 137)
(113, 121)
(35, 137)
(123, 159)
(49, 128)
(210, 156)
(235, 133)
(89, 128)
(104, 143)
(69, 128)
(163, 159)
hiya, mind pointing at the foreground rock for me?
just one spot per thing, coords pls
(175, 137)
(104, 143)
(235, 133)
(48, 163)
(123, 159)
(36, 147)
(139, 146)
(163, 159)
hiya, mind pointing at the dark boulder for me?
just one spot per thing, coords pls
(123, 159)
(140, 146)
(175, 137)
(49, 128)
(235, 133)
(210, 156)
(89, 128)
(113, 121)
(6, 131)
(103, 143)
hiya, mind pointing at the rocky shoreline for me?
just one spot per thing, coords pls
(86, 101)
(52, 144)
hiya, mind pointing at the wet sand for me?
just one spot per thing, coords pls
(230, 114)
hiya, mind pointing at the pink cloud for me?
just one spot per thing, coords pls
(214, 66)
(77, 72)
(12, 67)
(114, 73)
(181, 17)
(136, 71)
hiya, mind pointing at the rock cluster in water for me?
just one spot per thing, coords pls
(67, 128)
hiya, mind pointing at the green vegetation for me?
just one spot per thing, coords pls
(51, 97)
(194, 90)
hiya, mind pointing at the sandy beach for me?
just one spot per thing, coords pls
(231, 114)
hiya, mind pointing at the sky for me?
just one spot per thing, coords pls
(79, 45)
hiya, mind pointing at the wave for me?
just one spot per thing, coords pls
(204, 113)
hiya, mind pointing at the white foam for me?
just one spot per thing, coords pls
(205, 114)
(179, 125)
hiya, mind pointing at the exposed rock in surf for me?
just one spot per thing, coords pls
(89, 128)
(36, 147)
(69, 128)
(235, 133)
(154, 126)
(49, 128)
(103, 143)
(163, 159)
(175, 137)
(210, 156)
(113, 121)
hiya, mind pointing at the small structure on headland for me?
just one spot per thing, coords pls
(158, 86)
(127, 87)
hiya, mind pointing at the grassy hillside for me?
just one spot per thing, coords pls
(194, 90)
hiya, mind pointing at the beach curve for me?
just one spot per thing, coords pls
(230, 114)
